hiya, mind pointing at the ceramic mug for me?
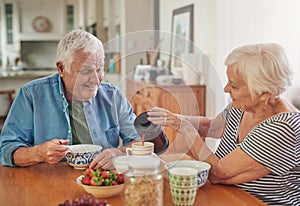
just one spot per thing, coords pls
(138, 149)
(183, 185)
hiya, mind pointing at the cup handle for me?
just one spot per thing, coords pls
(129, 151)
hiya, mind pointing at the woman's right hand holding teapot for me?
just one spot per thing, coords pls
(177, 122)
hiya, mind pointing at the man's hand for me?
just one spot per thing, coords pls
(104, 159)
(51, 152)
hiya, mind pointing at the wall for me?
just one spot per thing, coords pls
(133, 20)
(204, 21)
(30, 9)
(220, 26)
(204, 40)
(252, 21)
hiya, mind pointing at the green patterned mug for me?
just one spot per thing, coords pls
(183, 185)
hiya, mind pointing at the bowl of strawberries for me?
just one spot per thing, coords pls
(101, 183)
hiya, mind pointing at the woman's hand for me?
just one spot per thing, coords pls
(164, 117)
(177, 122)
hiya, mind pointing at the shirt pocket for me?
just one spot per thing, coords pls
(113, 136)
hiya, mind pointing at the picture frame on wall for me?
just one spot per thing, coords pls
(182, 34)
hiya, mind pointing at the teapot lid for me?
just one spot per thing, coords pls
(141, 122)
(145, 127)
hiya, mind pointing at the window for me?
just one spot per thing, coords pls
(9, 23)
(70, 17)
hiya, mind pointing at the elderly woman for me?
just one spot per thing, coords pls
(260, 146)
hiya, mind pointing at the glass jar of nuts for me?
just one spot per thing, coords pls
(143, 182)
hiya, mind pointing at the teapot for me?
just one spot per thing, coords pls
(152, 133)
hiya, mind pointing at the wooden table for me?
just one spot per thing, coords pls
(46, 184)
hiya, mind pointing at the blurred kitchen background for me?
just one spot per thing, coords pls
(127, 28)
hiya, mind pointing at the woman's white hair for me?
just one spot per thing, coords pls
(74, 41)
(264, 68)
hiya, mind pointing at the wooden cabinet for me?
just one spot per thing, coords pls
(177, 98)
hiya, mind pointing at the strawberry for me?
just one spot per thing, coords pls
(85, 181)
(104, 175)
(120, 178)
(108, 182)
(94, 181)
(96, 173)
(101, 177)
(113, 175)
(114, 182)
(89, 172)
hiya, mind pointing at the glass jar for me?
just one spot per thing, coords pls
(143, 182)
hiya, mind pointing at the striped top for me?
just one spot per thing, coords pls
(275, 143)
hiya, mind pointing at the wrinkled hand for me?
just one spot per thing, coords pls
(164, 117)
(104, 159)
(54, 150)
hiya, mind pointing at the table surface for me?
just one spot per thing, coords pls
(46, 184)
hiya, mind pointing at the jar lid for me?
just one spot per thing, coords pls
(143, 162)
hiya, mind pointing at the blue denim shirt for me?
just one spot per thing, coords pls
(40, 113)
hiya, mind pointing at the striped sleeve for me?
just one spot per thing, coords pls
(226, 112)
(275, 143)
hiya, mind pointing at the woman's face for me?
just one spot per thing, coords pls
(85, 77)
(239, 92)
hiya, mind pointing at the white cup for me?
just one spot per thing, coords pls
(121, 163)
(138, 149)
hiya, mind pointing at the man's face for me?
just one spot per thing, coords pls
(85, 76)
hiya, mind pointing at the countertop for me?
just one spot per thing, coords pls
(25, 74)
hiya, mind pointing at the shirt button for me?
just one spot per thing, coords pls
(69, 131)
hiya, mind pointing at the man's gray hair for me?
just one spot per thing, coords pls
(74, 41)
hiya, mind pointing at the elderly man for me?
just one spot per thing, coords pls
(72, 106)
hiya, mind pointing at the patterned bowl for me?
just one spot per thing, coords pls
(81, 155)
(202, 167)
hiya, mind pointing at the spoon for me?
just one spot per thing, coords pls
(163, 161)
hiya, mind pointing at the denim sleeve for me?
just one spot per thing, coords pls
(17, 130)
(126, 119)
